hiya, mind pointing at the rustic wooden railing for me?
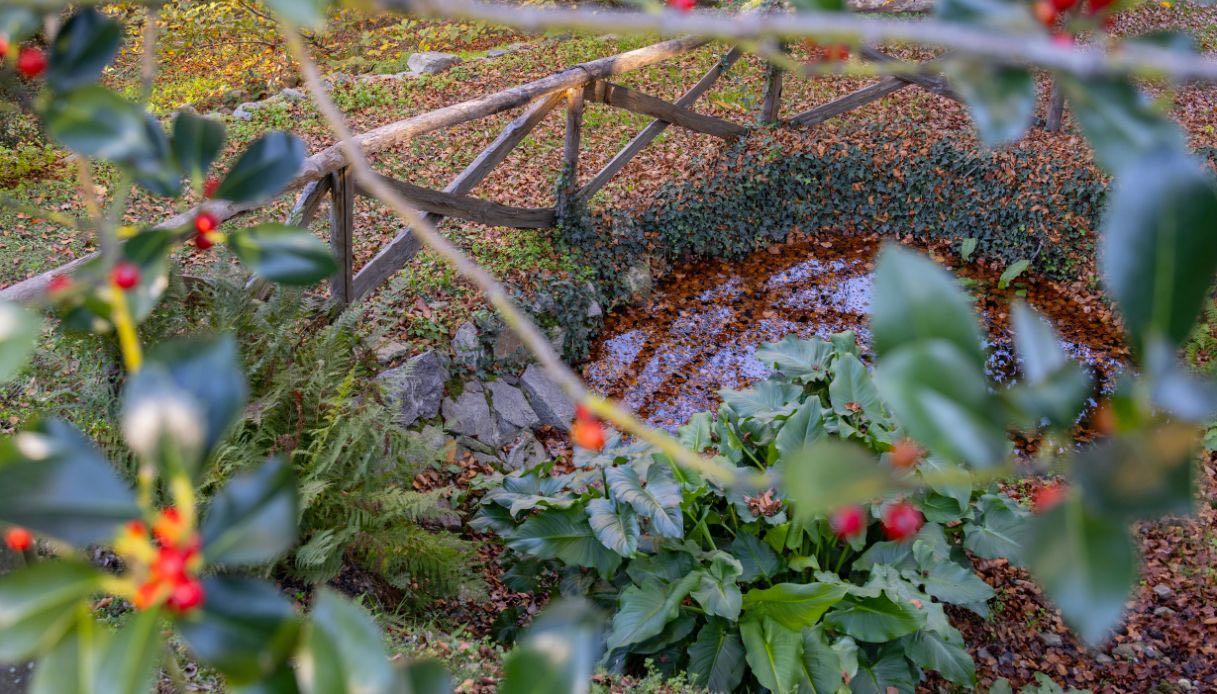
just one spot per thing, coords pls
(327, 173)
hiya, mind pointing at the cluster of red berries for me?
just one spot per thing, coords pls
(587, 431)
(204, 224)
(901, 521)
(18, 539)
(682, 5)
(31, 62)
(167, 568)
(1047, 12)
(1048, 496)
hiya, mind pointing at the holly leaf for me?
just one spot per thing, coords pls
(252, 520)
(39, 604)
(1000, 98)
(84, 46)
(264, 169)
(1121, 123)
(19, 331)
(197, 142)
(284, 254)
(347, 647)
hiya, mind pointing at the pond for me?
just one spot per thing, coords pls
(668, 360)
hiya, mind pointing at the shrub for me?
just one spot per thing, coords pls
(736, 586)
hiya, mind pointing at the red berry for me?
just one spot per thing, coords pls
(588, 434)
(847, 521)
(210, 186)
(1097, 6)
(168, 527)
(836, 53)
(1045, 13)
(202, 242)
(59, 284)
(901, 521)
(186, 595)
(1063, 5)
(3, 46)
(18, 539)
(125, 275)
(205, 222)
(170, 564)
(682, 5)
(905, 454)
(1062, 39)
(31, 62)
(1049, 496)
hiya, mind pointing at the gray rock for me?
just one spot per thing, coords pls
(594, 310)
(469, 414)
(547, 398)
(1104, 659)
(1126, 651)
(1184, 683)
(525, 452)
(431, 62)
(639, 282)
(475, 446)
(292, 94)
(1051, 639)
(417, 387)
(511, 406)
(984, 654)
(507, 345)
(391, 351)
(466, 348)
(1163, 591)
(241, 114)
(557, 339)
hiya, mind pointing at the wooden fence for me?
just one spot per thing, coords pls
(328, 172)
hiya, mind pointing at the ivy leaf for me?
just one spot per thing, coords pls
(1156, 249)
(1121, 124)
(566, 535)
(197, 142)
(874, 620)
(1087, 565)
(83, 48)
(616, 526)
(793, 605)
(264, 169)
(284, 254)
(716, 658)
(774, 654)
(643, 611)
(39, 604)
(19, 330)
(658, 500)
(252, 520)
(246, 629)
(1001, 99)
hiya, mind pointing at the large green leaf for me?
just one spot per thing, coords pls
(615, 525)
(197, 142)
(252, 520)
(756, 558)
(95, 122)
(658, 499)
(764, 400)
(643, 611)
(716, 658)
(566, 535)
(1141, 475)
(945, 656)
(64, 669)
(888, 672)
(569, 635)
(19, 330)
(362, 663)
(717, 590)
(130, 659)
(1054, 386)
(1000, 98)
(874, 619)
(830, 475)
(1120, 122)
(951, 582)
(916, 299)
(39, 604)
(1156, 253)
(803, 429)
(802, 361)
(851, 388)
(998, 532)
(1087, 565)
(822, 665)
(774, 653)
(246, 629)
(55, 482)
(83, 48)
(944, 402)
(264, 169)
(793, 605)
(284, 254)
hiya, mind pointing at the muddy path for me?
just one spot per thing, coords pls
(668, 359)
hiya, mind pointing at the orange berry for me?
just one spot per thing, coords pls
(1048, 496)
(905, 454)
(169, 527)
(588, 434)
(205, 222)
(18, 539)
(1045, 13)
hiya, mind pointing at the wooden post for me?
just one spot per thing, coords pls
(771, 110)
(574, 133)
(1056, 109)
(342, 224)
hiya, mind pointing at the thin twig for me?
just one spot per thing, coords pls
(495, 293)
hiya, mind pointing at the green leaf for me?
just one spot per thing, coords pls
(658, 500)
(717, 591)
(803, 361)
(888, 672)
(529, 671)
(1087, 565)
(766, 399)
(615, 525)
(95, 122)
(19, 331)
(564, 534)
(716, 658)
(793, 605)
(967, 247)
(999, 532)
(264, 169)
(56, 483)
(755, 557)
(1012, 272)
(39, 604)
(944, 402)
(306, 13)
(284, 254)
(916, 299)
(83, 48)
(822, 665)
(643, 611)
(803, 429)
(948, 658)
(362, 661)
(874, 620)
(197, 142)
(1176, 388)
(130, 660)
(246, 629)
(569, 634)
(1121, 123)
(830, 475)
(64, 669)
(1141, 475)
(851, 389)
(252, 520)
(774, 653)
(695, 435)
(951, 583)
(1054, 386)
(1156, 253)
(1001, 99)
(427, 677)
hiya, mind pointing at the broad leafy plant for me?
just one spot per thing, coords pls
(753, 589)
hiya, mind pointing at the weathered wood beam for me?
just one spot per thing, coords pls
(391, 258)
(637, 102)
(937, 85)
(465, 207)
(342, 231)
(308, 201)
(573, 139)
(849, 102)
(1056, 109)
(771, 107)
(656, 128)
